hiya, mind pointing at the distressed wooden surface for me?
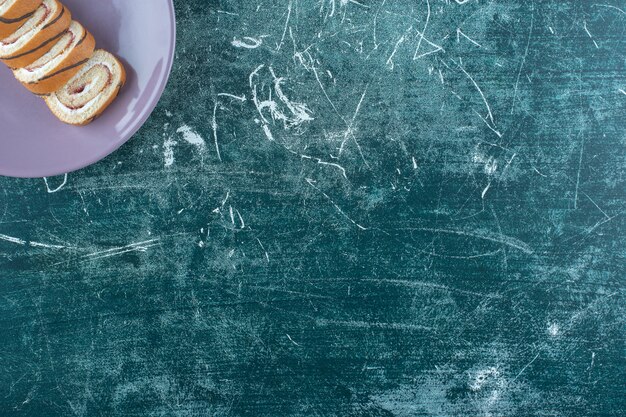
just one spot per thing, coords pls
(340, 207)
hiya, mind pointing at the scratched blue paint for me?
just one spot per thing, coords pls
(408, 208)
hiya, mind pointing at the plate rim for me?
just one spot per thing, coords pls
(141, 121)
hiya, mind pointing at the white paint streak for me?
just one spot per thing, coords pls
(139, 246)
(479, 234)
(524, 368)
(33, 244)
(358, 324)
(12, 239)
(291, 340)
(460, 33)
(57, 189)
(267, 256)
(168, 151)
(589, 34)
(521, 67)
(214, 128)
(247, 42)
(553, 329)
(610, 7)
(480, 91)
(241, 98)
(343, 213)
(192, 137)
(282, 39)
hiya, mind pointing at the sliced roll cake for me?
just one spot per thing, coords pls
(50, 72)
(36, 36)
(90, 91)
(14, 13)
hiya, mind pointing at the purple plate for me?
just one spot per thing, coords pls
(33, 143)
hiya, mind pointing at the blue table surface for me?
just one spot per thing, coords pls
(340, 207)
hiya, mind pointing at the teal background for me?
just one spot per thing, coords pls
(417, 209)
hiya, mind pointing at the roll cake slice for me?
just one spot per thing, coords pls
(50, 72)
(14, 13)
(90, 91)
(36, 36)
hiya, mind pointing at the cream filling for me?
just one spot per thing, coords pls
(26, 74)
(5, 5)
(25, 35)
(88, 88)
(88, 107)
